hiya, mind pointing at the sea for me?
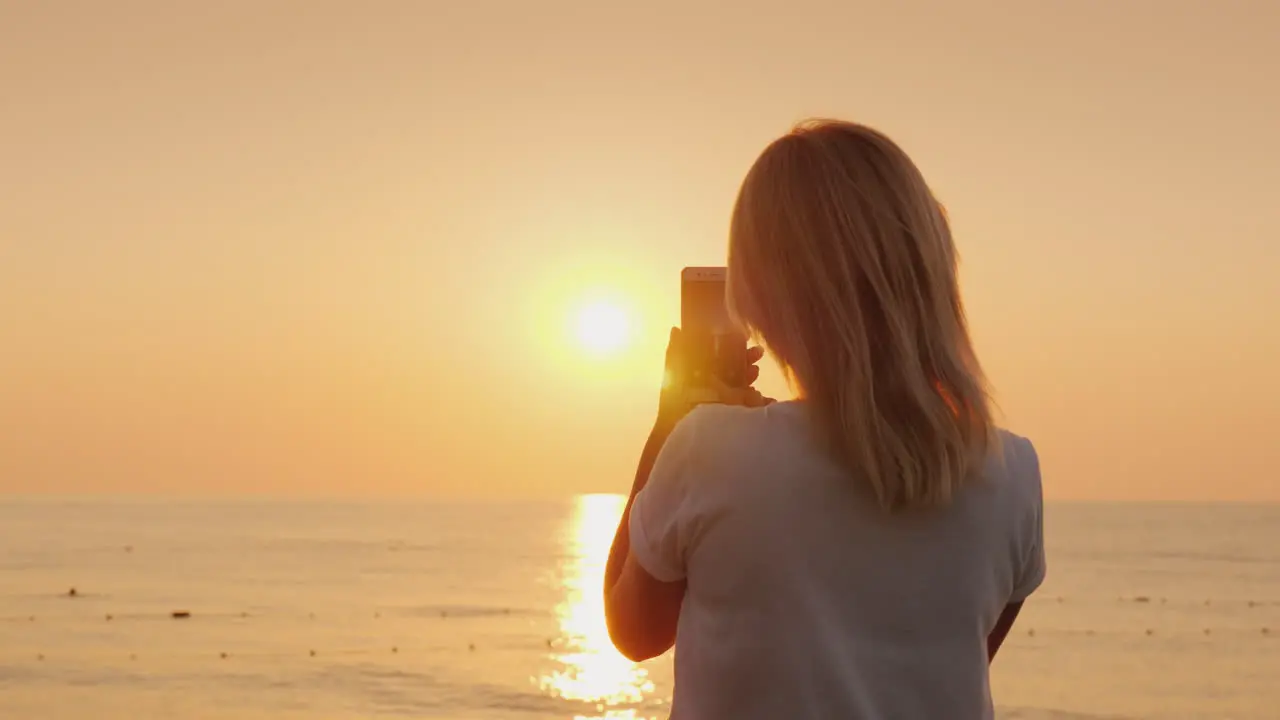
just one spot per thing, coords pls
(260, 609)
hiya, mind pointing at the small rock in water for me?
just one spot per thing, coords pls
(72, 593)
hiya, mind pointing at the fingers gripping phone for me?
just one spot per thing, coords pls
(713, 347)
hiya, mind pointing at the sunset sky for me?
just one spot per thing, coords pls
(339, 249)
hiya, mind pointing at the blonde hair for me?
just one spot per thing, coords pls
(841, 263)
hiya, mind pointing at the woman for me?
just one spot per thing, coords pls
(862, 551)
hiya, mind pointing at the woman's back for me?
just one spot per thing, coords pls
(805, 598)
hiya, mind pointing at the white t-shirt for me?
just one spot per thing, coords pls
(805, 599)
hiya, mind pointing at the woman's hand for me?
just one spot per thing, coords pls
(676, 400)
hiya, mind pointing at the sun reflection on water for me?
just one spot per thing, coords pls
(592, 671)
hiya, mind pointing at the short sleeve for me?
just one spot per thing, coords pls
(1032, 572)
(659, 514)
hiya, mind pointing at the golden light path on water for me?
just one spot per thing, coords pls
(593, 671)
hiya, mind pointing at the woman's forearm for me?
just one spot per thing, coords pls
(622, 538)
(1003, 625)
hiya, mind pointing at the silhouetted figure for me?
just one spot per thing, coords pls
(886, 477)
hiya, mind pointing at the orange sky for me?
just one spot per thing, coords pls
(329, 248)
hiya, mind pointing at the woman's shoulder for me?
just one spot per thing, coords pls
(1017, 451)
(734, 424)
(1016, 465)
(736, 440)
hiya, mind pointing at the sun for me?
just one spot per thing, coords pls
(602, 328)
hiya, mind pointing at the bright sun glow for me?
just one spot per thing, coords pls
(603, 328)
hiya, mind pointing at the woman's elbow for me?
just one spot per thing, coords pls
(642, 614)
(638, 649)
(630, 651)
(636, 642)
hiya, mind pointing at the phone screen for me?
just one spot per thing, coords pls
(714, 347)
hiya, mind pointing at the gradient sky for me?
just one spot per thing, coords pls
(330, 248)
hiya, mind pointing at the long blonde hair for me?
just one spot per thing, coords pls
(841, 263)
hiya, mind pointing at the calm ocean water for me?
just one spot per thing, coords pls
(493, 611)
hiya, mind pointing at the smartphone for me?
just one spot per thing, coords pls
(713, 346)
